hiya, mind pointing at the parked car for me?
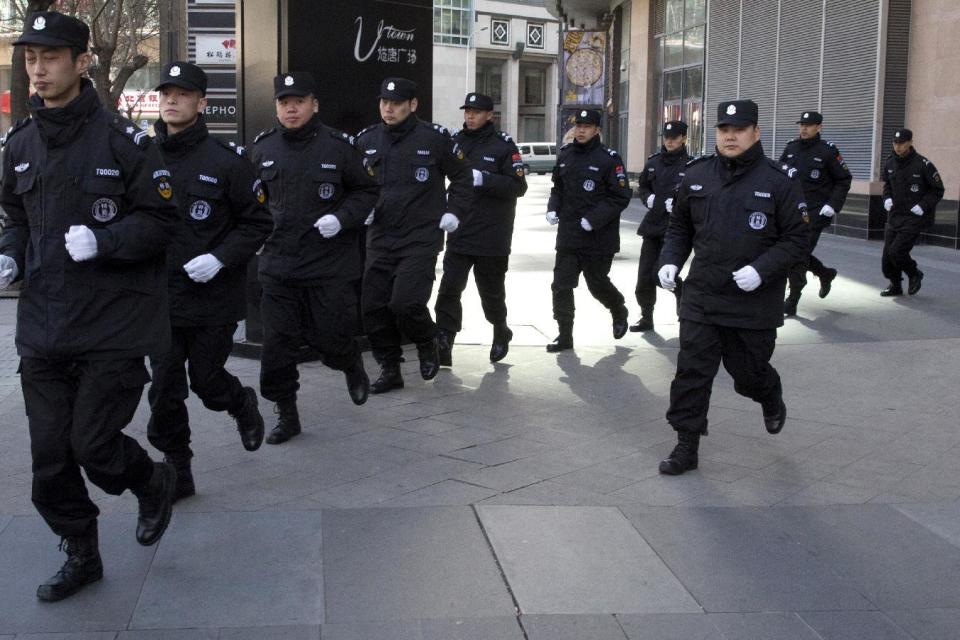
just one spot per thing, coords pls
(538, 157)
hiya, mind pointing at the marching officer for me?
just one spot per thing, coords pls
(89, 211)
(745, 220)
(657, 185)
(911, 190)
(412, 160)
(482, 243)
(222, 225)
(319, 192)
(589, 192)
(825, 180)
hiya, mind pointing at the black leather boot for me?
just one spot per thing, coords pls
(914, 282)
(358, 384)
(502, 335)
(684, 456)
(389, 379)
(826, 281)
(445, 347)
(288, 421)
(156, 503)
(895, 289)
(620, 323)
(83, 567)
(249, 420)
(774, 420)
(645, 323)
(181, 464)
(563, 341)
(429, 357)
(790, 304)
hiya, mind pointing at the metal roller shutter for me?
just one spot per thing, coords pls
(798, 69)
(723, 61)
(758, 62)
(895, 77)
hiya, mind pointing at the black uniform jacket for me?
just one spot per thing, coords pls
(307, 173)
(660, 177)
(221, 213)
(411, 161)
(909, 181)
(732, 214)
(589, 182)
(488, 230)
(823, 175)
(80, 165)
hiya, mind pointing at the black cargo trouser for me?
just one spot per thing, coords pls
(490, 273)
(322, 316)
(797, 276)
(396, 290)
(76, 412)
(566, 277)
(199, 352)
(745, 354)
(896, 259)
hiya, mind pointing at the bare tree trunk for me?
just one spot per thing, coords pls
(20, 83)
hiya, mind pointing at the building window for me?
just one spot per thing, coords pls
(534, 86)
(678, 57)
(535, 35)
(500, 32)
(452, 20)
(490, 79)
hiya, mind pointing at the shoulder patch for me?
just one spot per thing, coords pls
(785, 169)
(439, 129)
(365, 131)
(653, 155)
(830, 144)
(565, 145)
(341, 136)
(613, 152)
(506, 136)
(232, 147)
(706, 156)
(19, 124)
(263, 134)
(131, 131)
(240, 150)
(793, 141)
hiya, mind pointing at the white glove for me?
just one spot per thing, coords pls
(449, 222)
(888, 204)
(369, 220)
(747, 278)
(668, 276)
(8, 271)
(917, 210)
(585, 224)
(328, 225)
(81, 243)
(203, 268)
(552, 217)
(650, 200)
(477, 178)
(668, 203)
(827, 211)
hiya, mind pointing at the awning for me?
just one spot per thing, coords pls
(587, 14)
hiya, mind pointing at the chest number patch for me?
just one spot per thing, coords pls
(200, 210)
(757, 220)
(104, 210)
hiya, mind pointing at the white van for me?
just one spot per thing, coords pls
(538, 157)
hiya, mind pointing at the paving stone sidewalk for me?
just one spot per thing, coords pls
(522, 499)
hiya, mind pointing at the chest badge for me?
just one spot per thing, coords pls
(200, 210)
(915, 188)
(326, 191)
(104, 210)
(23, 166)
(421, 174)
(589, 185)
(815, 173)
(757, 220)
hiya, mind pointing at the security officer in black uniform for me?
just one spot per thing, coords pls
(911, 190)
(658, 185)
(746, 222)
(825, 179)
(319, 193)
(483, 243)
(222, 225)
(589, 192)
(89, 213)
(412, 160)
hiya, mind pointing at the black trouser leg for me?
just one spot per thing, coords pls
(378, 320)
(814, 265)
(647, 278)
(282, 338)
(490, 273)
(897, 245)
(411, 293)
(217, 388)
(596, 272)
(76, 412)
(330, 312)
(168, 429)
(449, 310)
(746, 357)
(566, 277)
(697, 364)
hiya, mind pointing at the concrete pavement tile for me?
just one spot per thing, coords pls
(865, 543)
(169, 634)
(763, 626)
(929, 624)
(503, 451)
(298, 632)
(739, 560)
(853, 625)
(550, 493)
(207, 563)
(30, 556)
(592, 480)
(506, 477)
(4, 521)
(572, 627)
(662, 491)
(873, 473)
(83, 635)
(492, 628)
(670, 626)
(745, 492)
(827, 493)
(942, 519)
(412, 563)
(445, 493)
(580, 560)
